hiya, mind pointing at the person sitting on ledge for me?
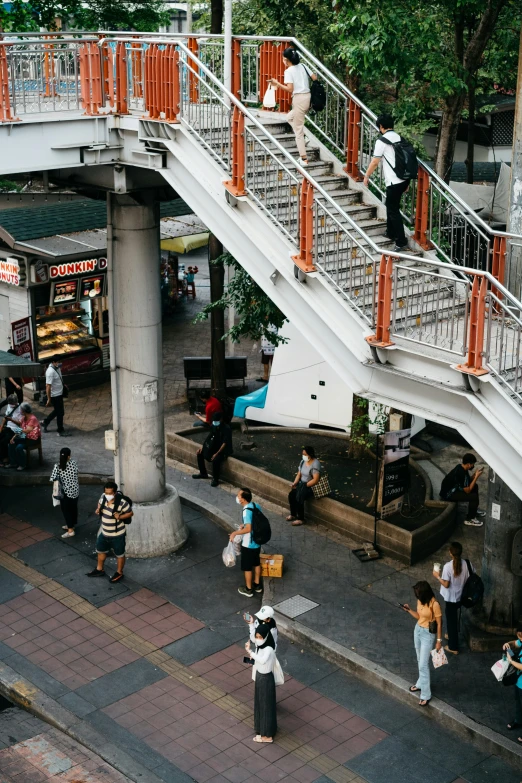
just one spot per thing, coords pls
(459, 487)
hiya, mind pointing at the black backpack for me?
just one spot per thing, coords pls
(118, 498)
(317, 93)
(449, 483)
(261, 531)
(473, 589)
(406, 163)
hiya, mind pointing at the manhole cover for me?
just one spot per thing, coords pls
(295, 606)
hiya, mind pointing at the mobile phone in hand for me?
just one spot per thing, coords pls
(247, 617)
(402, 606)
(248, 660)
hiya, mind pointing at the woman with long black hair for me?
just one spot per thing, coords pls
(455, 574)
(297, 83)
(265, 719)
(428, 632)
(66, 472)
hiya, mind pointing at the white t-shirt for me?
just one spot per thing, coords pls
(387, 153)
(53, 378)
(297, 75)
(453, 593)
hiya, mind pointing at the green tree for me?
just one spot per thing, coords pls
(142, 15)
(255, 310)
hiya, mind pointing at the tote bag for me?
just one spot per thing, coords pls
(322, 488)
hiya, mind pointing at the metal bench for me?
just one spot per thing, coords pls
(199, 368)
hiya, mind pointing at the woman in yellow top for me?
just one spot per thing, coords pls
(428, 612)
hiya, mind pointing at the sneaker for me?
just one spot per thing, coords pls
(214, 483)
(245, 591)
(95, 573)
(473, 522)
(116, 577)
(68, 535)
(303, 162)
(20, 468)
(400, 248)
(258, 588)
(481, 513)
(64, 527)
(199, 475)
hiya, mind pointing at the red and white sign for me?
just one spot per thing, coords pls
(23, 338)
(9, 271)
(77, 267)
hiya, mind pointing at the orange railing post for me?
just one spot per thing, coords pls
(236, 185)
(422, 210)
(170, 78)
(6, 112)
(236, 68)
(305, 259)
(193, 45)
(352, 140)
(271, 65)
(476, 326)
(152, 82)
(498, 262)
(90, 77)
(121, 102)
(136, 54)
(381, 338)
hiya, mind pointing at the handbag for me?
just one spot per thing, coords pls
(269, 99)
(65, 389)
(438, 658)
(432, 625)
(279, 677)
(322, 488)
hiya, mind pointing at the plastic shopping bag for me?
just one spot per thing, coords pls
(269, 101)
(229, 556)
(438, 658)
(500, 668)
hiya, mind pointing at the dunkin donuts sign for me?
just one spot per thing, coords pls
(77, 267)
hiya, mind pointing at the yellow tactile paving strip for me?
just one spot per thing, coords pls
(288, 741)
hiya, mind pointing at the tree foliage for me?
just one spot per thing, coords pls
(141, 15)
(255, 309)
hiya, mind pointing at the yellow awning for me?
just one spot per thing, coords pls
(184, 244)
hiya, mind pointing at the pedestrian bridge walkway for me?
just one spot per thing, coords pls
(432, 331)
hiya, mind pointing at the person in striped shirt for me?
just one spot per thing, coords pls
(114, 511)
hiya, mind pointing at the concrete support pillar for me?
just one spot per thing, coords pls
(502, 606)
(137, 375)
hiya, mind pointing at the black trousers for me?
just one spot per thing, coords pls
(518, 705)
(216, 466)
(452, 624)
(297, 498)
(69, 508)
(471, 498)
(394, 224)
(58, 411)
(5, 436)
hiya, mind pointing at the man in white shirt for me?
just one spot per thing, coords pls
(54, 391)
(395, 187)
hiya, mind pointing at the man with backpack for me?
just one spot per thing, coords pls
(399, 166)
(255, 531)
(216, 448)
(115, 510)
(459, 487)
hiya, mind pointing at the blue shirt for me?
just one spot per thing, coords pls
(518, 643)
(247, 520)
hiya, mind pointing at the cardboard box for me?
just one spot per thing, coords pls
(271, 565)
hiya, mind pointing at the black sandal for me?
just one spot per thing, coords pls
(424, 702)
(414, 689)
(514, 725)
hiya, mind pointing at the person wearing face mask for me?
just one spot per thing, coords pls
(115, 510)
(265, 616)
(66, 472)
(10, 426)
(216, 448)
(308, 475)
(250, 551)
(265, 716)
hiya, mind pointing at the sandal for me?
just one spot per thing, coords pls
(290, 518)
(298, 522)
(425, 702)
(513, 725)
(413, 689)
(257, 738)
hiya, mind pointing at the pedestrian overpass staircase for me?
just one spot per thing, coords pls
(432, 331)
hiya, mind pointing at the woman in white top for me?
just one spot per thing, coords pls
(265, 616)
(265, 719)
(454, 576)
(297, 83)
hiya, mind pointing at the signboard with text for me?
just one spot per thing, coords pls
(77, 267)
(9, 271)
(395, 473)
(23, 338)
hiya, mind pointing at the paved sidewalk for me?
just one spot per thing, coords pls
(31, 751)
(155, 662)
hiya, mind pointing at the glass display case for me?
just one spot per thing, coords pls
(59, 330)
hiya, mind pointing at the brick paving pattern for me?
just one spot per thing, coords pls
(15, 534)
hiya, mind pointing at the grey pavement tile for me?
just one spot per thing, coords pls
(45, 552)
(97, 591)
(492, 770)
(5, 651)
(425, 736)
(11, 585)
(170, 774)
(152, 571)
(135, 747)
(205, 540)
(37, 676)
(393, 761)
(16, 726)
(305, 666)
(35, 506)
(120, 683)
(375, 706)
(75, 703)
(197, 646)
(233, 627)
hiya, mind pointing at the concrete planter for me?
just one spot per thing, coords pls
(406, 546)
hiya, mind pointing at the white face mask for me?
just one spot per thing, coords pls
(108, 497)
(238, 501)
(305, 457)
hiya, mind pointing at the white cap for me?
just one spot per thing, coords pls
(265, 613)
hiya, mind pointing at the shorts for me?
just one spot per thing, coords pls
(104, 544)
(250, 558)
(267, 358)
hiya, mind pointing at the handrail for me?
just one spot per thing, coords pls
(43, 41)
